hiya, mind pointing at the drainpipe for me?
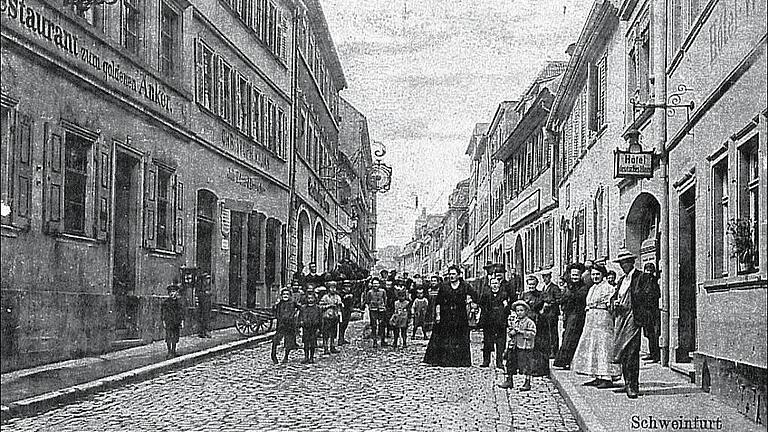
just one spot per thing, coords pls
(660, 8)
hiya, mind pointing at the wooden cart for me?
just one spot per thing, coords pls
(249, 322)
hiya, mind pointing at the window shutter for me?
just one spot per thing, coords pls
(602, 80)
(22, 171)
(102, 155)
(219, 79)
(150, 204)
(283, 36)
(199, 72)
(592, 97)
(6, 181)
(53, 193)
(178, 213)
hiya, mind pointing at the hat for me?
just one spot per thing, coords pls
(624, 255)
(173, 287)
(499, 268)
(488, 265)
(520, 303)
(546, 273)
(347, 282)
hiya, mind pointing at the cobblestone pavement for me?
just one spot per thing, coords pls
(361, 389)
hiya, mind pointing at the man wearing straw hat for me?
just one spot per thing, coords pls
(632, 307)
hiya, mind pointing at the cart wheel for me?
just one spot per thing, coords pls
(264, 326)
(271, 324)
(245, 324)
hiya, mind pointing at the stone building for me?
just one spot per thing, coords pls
(454, 233)
(314, 204)
(107, 116)
(479, 202)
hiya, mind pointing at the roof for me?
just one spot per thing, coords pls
(480, 130)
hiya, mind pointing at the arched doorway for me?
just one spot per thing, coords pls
(318, 247)
(206, 210)
(642, 230)
(330, 257)
(302, 241)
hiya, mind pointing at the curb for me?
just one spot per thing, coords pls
(56, 398)
(585, 418)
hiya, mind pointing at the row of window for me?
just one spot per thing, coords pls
(309, 47)
(268, 22)
(77, 183)
(231, 96)
(313, 144)
(527, 163)
(133, 16)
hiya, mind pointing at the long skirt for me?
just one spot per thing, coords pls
(538, 362)
(574, 324)
(594, 353)
(448, 346)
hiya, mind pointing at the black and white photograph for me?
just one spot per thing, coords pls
(383, 215)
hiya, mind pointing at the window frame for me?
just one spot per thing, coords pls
(173, 58)
(135, 35)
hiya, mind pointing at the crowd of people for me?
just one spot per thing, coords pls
(603, 317)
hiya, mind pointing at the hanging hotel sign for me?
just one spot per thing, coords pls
(633, 164)
(525, 208)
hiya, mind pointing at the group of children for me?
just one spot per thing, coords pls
(391, 310)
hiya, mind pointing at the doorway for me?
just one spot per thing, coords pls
(254, 278)
(206, 206)
(686, 326)
(125, 245)
(235, 258)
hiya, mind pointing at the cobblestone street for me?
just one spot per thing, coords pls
(361, 389)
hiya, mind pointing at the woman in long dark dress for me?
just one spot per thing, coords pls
(539, 359)
(449, 343)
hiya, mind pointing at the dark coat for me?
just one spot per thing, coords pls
(643, 294)
(574, 299)
(494, 312)
(285, 311)
(551, 294)
(172, 312)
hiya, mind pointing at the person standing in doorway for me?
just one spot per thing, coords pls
(573, 303)
(204, 306)
(632, 306)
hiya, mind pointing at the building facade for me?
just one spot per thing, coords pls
(102, 213)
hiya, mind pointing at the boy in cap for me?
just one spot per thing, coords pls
(331, 306)
(284, 310)
(347, 299)
(521, 332)
(172, 314)
(310, 320)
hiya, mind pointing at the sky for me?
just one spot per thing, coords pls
(424, 72)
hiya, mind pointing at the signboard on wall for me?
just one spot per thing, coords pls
(628, 164)
(525, 208)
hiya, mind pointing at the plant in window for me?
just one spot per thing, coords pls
(742, 242)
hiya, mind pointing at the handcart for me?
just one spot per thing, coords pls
(249, 322)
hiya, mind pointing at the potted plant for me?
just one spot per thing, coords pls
(742, 243)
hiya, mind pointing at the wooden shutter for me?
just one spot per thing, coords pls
(6, 178)
(102, 156)
(178, 214)
(150, 204)
(200, 72)
(592, 91)
(283, 42)
(602, 83)
(22, 171)
(53, 191)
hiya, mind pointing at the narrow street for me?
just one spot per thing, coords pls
(361, 389)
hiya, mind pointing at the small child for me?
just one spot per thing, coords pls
(521, 332)
(399, 320)
(309, 320)
(172, 314)
(331, 305)
(376, 300)
(419, 312)
(284, 311)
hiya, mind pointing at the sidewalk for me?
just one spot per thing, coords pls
(37, 389)
(664, 396)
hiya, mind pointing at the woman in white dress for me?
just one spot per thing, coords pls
(594, 353)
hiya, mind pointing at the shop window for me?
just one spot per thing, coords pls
(205, 77)
(163, 208)
(16, 130)
(748, 190)
(132, 19)
(720, 219)
(169, 39)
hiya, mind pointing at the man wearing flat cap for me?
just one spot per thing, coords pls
(632, 308)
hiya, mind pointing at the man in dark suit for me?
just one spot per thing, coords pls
(550, 296)
(632, 307)
(499, 272)
(653, 324)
